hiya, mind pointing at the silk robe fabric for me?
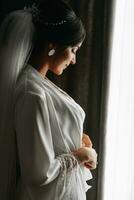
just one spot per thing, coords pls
(49, 126)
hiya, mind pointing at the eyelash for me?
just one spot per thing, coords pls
(74, 51)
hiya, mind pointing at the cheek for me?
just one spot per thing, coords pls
(59, 62)
(63, 59)
(68, 56)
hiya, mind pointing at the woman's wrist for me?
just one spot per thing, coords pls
(76, 156)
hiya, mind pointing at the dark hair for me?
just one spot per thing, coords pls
(57, 23)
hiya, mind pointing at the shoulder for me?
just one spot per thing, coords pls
(30, 103)
(28, 87)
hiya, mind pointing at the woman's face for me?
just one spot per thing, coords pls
(64, 59)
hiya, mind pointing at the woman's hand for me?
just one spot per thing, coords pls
(86, 142)
(91, 165)
(86, 156)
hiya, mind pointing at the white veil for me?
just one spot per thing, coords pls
(16, 43)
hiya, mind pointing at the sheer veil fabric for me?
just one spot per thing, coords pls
(16, 34)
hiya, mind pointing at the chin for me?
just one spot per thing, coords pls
(59, 71)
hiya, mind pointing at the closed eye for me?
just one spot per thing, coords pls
(74, 50)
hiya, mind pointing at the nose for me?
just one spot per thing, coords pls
(73, 61)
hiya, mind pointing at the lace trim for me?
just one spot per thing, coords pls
(68, 162)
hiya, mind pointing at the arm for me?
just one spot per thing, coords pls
(35, 143)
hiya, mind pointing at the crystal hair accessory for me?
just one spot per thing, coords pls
(36, 16)
(33, 10)
(54, 24)
(51, 52)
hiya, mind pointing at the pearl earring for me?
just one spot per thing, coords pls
(51, 52)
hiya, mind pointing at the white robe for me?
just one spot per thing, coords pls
(49, 126)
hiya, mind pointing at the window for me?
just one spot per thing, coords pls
(119, 158)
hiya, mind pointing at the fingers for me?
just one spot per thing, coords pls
(86, 156)
(92, 162)
(91, 165)
(86, 141)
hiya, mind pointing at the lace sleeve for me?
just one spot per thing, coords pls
(68, 162)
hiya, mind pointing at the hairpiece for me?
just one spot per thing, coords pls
(54, 24)
(35, 14)
(33, 10)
